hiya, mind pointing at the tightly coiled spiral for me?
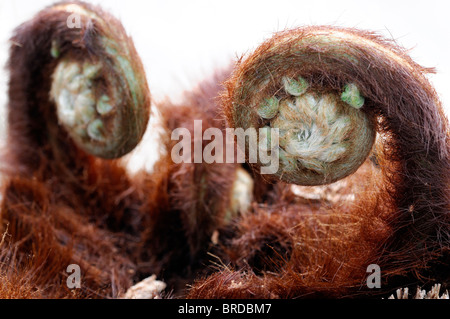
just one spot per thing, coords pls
(325, 133)
(375, 77)
(330, 91)
(321, 139)
(94, 83)
(78, 98)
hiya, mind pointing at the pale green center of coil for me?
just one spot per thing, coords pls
(315, 130)
(78, 109)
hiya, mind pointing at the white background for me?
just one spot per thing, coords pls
(180, 42)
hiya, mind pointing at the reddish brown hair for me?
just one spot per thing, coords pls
(63, 206)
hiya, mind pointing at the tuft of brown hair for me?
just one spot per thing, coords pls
(398, 217)
(61, 205)
(180, 222)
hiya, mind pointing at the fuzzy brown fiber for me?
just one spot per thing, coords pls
(62, 206)
(401, 222)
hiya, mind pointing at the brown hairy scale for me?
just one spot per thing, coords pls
(63, 206)
(402, 222)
